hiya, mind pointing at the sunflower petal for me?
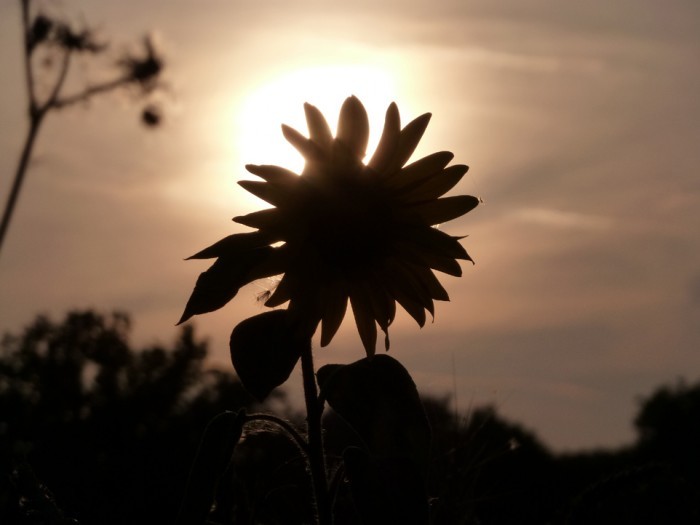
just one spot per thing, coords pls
(437, 242)
(366, 326)
(416, 255)
(404, 293)
(383, 306)
(444, 265)
(273, 174)
(446, 209)
(309, 150)
(282, 293)
(420, 171)
(335, 303)
(388, 142)
(412, 284)
(414, 308)
(409, 139)
(435, 186)
(353, 127)
(234, 245)
(319, 131)
(269, 219)
(428, 280)
(275, 195)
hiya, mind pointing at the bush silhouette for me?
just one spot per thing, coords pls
(94, 430)
(669, 428)
(111, 431)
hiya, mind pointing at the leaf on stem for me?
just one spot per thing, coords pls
(220, 283)
(379, 400)
(264, 351)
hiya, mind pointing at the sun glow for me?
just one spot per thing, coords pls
(280, 101)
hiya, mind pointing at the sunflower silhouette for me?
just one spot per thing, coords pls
(344, 231)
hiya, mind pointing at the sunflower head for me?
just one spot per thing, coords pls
(345, 231)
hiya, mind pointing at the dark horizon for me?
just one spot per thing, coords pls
(98, 430)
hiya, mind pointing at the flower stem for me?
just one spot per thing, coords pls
(317, 462)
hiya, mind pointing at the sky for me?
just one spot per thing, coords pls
(580, 123)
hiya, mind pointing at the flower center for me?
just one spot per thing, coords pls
(348, 225)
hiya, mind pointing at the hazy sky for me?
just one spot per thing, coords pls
(581, 124)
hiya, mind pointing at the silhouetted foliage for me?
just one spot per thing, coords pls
(669, 428)
(110, 431)
(95, 431)
(487, 468)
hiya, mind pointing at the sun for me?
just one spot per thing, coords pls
(280, 101)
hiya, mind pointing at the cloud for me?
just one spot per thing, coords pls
(561, 219)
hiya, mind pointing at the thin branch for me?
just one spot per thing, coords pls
(28, 73)
(38, 110)
(34, 123)
(60, 80)
(90, 92)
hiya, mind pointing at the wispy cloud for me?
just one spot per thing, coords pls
(562, 219)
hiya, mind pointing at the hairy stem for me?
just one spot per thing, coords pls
(284, 425)
(317, 462)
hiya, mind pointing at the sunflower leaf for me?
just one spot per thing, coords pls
(220, 283)
(379, 400)
(264, 350)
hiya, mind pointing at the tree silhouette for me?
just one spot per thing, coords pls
(110, 431)
(50, 45)
(96, 431)
(668, 424)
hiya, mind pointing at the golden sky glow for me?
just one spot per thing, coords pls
(281, 100)
(580, 123)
